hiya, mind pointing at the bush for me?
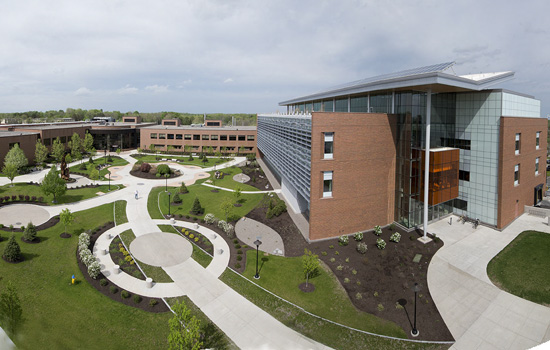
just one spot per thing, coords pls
(153, 302)
(183, 188)
(226, 227)
(239, 257)
(30, 232)
(237, 266)
(27, 198)
(12, 252)
(197, 209)
(239, 251)
(163, 169)
(362, 247)
(395, 237)
(94, 269)
(392, 226)
(377, 230)
(380, 243)
(177, 199)
(275, 209)
(190, 158)
(358, 296)
(358, 236)
(145, 167)
(210, 218)
(113, 289)
(137, 299)
(125, 294)
(103, 282)
(343, 240)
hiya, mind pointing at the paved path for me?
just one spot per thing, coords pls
(478, 314)
(248, 230)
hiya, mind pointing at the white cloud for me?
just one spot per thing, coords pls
(228, 80)
(127, 90)
(157, 89)
(83, 91)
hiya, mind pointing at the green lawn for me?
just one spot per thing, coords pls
(227, 181)
(116, 161)
(120, 212)
(149, 158)
(210, 201)
(71, 196)
(59, 315)
(522, 268)
(198, 254)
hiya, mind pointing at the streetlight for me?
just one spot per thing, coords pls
(169, 194)
(416, 289)
(166, 176)
(109, 181)
(257, 243)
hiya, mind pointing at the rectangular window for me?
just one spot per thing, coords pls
(63, 139)
(328, 106)
(205, 137)
(517, 143)
(241, 137)
(464, 175)
(196, 137)
(537, 165)
(232, 137)
(162, 136)
(516, 175)
(460, 204)
(249, 137)
(214, 137)
(223, 137)
(179, 137)
(187, 137)
(341, 105)
(154, 136)
(329, 145)
(538, 139)
(327, 184)
(170, 136)
(46, 142)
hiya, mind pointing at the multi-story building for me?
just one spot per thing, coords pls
(354, 156)
(208, 137)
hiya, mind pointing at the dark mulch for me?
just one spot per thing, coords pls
(13, 262)
(119, 259)
(306, 288)
(50, 223)
(34, 241)
(65, 235)
(215, 191)
(237, 205)
(386, 276)
(202, 241)
(149, 176)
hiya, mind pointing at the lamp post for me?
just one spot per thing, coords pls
(416, 289)
(166, 176)
(169, 194)
(109, 181)
(257, 243)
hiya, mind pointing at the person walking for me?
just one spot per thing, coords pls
(136, 194)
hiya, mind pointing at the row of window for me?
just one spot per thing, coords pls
(517, 168)
(209, 149)
(518, 141)
(196, 137)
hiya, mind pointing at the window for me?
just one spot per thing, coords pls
(232, 137)
(341, 105)
(196, 137)
(162, 136)
(537, 165)
(223, 137)
(538, 139)
(63, 139)
(205, 137)
(179, 137)
(517, 143)
(464, 175)
(153, 135)
(170, 136)
(516, 175)
(46, 142)
(327, 184)
(329, 145)
(214, 137)
(328, 106)
(460, 204)
(241, 138)
(187, 137)
(249, 137)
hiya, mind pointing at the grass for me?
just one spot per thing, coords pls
(71, 196)
(227, 181)
(46, 294)
(117, 161)
(120, 212)
(210, 201)
(521, 268)
(154, 272)
(317, 329)
(149, 158)
(198, 254)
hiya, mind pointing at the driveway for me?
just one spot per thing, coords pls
(478, 314)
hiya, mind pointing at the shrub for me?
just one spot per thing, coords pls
(343, 240)
(362, 247)
(226, 227)
(336, 252)
(237, 266)
(346, 280)
(380, 307)
(275, 209)
(30, 232)
(339, 267)
(21, 197)
(332, 260)
(33, 198)
(395, 237)
(157, 174)
(358, 296)
(237, 246)
(392, 226)
(354, 272)
(103, 282)
(94, 269)
(153, 302)
(436, 239)
(145, 167)
(235, 241)
(191, 236)
(196, 239)
(331, 246)
(324, 253)
(377, 230)
(358, 236)
(190, 158)
(113, 289)
(177, 199)
(197, 209)
(375, 294)
(27, 198)
(380, 243)
(183, 188)
(239, 257)
(137, 299)
(84, 239)
(125, 294)
(163, 169)
(210, 219)
(239, 252)
(12, 252)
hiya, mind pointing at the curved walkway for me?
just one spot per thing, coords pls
(478, 314)
(248, 230)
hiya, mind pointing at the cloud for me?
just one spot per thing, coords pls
(83, 91)
(228, 80)
(157, 89)
(127, 90)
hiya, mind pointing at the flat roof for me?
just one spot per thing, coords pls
(435, 78)
(5, 133)
(50, 126)
(187, 127)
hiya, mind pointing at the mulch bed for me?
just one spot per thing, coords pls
(257, 178)
(13, 262)
(310, 287)
(120, 259)
(65, 235)
(149, 176)
(34, 241)
(50, 223)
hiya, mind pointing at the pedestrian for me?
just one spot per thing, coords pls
(136, 194)
(451, 221)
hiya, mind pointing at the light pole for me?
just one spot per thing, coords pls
(257, 243)
(109, 181)
(416, 289)
(166, 176)
(169, 194)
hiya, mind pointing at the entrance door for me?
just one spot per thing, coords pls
(538, 194)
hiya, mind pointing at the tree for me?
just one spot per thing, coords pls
(184, 329)
(40, 153)
(58, 150)
(66, 218)
(183, 188)
(11, 171)
(237, 193)
(241, 150)
(12, 251)
(88, 143)
(310, 263)
(187, 149)
(226, 206)
(218, 154)
(152, 148)
(94, 174)
(197, 208)
(11, 313)
(224, 151)
(29, 234)
(16, 157)
(53, 184)
(76, 145)
(118, 150)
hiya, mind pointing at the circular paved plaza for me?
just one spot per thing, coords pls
(21, 214)
(161, 249)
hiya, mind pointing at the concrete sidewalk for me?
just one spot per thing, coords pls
(478, 314)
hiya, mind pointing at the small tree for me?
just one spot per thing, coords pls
(88, 143)
(29, 234)
(12, 252)
(226, 206)
(11, 171)
(187, 149)
(66, 218)
(197, 208)
(16, 157)
(310, 263)
(176, 199)
(184, 329)
(241, 150)
(11, 313)
(218, 154)
(40, 153)
(183, 188)
(76, 147)
(94, 174)
(58, 150)
(152, 148)
(53, 184)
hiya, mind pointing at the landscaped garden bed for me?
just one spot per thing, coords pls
(154, 172)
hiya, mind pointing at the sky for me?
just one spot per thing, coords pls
(232, 56)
